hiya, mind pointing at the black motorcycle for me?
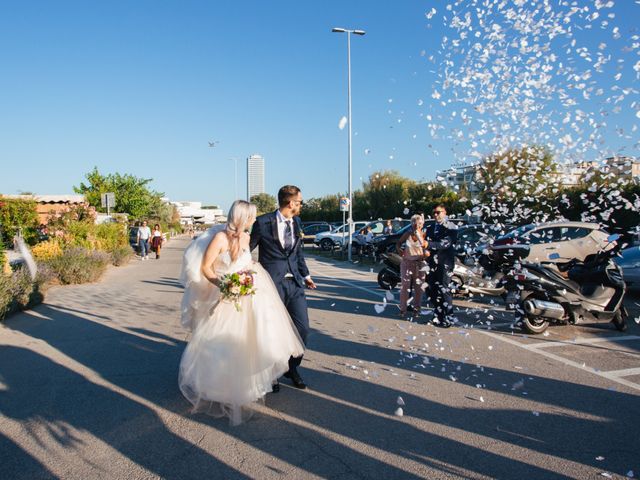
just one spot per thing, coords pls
(572, 292)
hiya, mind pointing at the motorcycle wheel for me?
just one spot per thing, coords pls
(620, 322)
(531, 323)
(386, 280)
(326, 244)
(535, 325)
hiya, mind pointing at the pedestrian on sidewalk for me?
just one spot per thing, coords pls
(412, 247)
(156, 240)
(144, 233)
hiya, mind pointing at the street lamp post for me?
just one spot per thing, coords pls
(349, 32)
(235, 170)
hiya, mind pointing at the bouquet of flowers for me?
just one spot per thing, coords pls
(236, 285)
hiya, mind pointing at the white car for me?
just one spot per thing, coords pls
(329, 240)
(535, 242)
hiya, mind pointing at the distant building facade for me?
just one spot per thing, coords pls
(194, 213)
(255, 175)
(51, 205)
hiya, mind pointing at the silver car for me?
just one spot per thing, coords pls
(629, 261)
(535, 242)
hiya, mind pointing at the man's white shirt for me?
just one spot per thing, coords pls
(281, 232)
(282, 225)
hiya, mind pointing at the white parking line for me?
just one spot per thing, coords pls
(612, 375)
(583, 341)
(625, 372)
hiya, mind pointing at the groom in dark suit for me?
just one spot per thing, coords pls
(278, 235)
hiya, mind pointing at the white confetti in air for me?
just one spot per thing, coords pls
(630, 474)
(399, 412)
(606, 475)
(599, 458)
(389, 296)
(379, 308)
(400, 401)
(342, 123)
(406, 211)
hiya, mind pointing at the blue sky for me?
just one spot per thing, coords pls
(140, 87)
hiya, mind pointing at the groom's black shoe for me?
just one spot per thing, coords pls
(275, 388)
(296, 379)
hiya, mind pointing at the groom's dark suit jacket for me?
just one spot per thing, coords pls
(272, 256)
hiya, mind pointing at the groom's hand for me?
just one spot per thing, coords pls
(310, 283)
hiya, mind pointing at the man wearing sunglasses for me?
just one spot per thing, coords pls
(442, 237)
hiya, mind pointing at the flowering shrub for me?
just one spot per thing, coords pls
(236, 285)
(47, 250)
(121, 255)
(79, 265)
(18, 292)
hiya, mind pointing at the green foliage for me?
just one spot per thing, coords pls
(79, 265)
(111, 236)
(133, 195)
(386, 194)
(264, 202)
(18, 292)
(18, 215)
(121, 255)
(517, 184)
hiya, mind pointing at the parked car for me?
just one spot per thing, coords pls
(310, 231)
(378, 226)
(535, 242)
(133, 237)
(314, 222)
(629, 261)
(329, 240)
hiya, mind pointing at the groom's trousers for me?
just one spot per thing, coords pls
(295, 301)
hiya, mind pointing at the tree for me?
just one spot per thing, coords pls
(18, 215)
(133, 196)
(386, 194)
(264, 202)
(519, 185)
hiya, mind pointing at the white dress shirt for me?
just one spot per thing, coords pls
(282, 225)
(281, 228)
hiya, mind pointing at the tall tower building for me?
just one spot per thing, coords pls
(255, 175)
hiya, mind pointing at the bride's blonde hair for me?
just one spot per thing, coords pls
(241, 215)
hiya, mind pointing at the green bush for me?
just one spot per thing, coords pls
(79, 265)
(121, 255)
(18, 292)
(18, 215)
(111, 236)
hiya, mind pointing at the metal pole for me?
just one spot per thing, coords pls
(349, 121)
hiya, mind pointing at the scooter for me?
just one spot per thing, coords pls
(572, 292)
(465, 280)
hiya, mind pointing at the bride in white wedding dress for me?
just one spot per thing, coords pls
(234, 356)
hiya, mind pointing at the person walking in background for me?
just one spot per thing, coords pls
(144, 233)
(412, 247)
(442, 237)
(156, 240)
(388, 229)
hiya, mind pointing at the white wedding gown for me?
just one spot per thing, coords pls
(234, 356)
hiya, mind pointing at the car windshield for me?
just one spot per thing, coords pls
(518, 232)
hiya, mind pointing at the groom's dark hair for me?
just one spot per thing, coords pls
(286, 193)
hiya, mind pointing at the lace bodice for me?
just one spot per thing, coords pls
(224, 264)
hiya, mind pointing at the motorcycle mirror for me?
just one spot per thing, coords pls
(554, 256)
(613, 238)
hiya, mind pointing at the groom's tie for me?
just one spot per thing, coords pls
(288, 236)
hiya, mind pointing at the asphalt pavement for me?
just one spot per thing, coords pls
(88, 389)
